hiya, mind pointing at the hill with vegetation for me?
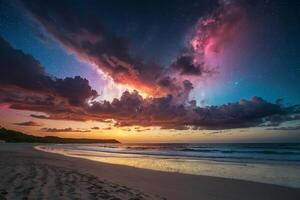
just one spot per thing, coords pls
(15, 136)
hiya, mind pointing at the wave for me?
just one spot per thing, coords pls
(268, 164)
(224, 152)
(243, 151)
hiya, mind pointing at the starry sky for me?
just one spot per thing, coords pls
(157, 71)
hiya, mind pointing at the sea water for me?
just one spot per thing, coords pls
(261, 162)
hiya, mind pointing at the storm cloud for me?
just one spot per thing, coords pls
(131, 109)
(186, 66)
(24, 83)
(81, 31)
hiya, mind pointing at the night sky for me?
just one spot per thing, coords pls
(133, 70)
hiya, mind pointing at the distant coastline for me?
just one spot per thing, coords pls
(19, 137)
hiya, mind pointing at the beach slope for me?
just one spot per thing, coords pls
(32, 174)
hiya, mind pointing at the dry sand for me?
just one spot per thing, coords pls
(26, 173)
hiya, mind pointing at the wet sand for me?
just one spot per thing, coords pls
(26, 173)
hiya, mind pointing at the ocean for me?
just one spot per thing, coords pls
(274, 163)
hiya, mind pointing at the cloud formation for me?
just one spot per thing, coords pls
(57, 98)
(133, 109)
(56, 130)
(82, 32)
(209, 36)
(185, 65)
(285, 128)
(20, 70)
(27, 123)
(25, 85)
(95, 128)
(39, 116)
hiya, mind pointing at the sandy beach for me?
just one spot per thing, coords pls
(26, 173)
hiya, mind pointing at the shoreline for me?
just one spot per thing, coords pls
(170, 185)
(276, 173)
